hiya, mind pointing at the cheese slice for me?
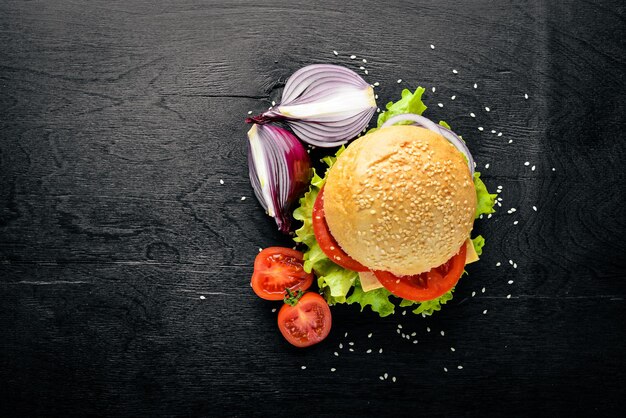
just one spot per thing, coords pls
(370, 282)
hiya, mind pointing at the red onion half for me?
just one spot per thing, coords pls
(279, 169)
(432, 126)
(325, 105)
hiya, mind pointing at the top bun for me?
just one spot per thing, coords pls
(400, 199)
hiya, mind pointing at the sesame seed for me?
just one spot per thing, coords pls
(475, 85)
(386, 375)
(472, 115)
(428, 329)
(455, 71)
(432, 46)
(399, 80)
(511, 262)
(340, 345)
(202, 297)
(459, 367)
(400, 326)
(377, 84)
(508, 296)
(440, 104)
(336, 354)
(369, 335)
(352, 57)
(413, 334)
(351, 350)
(514, 265)
(553, 169)
(260, 249)
(378, 109)
(489, 216)
(526, 96)
(243, 198)
(515, 223)
(452, 349)
(487, 109)
(364, 60)
(535, 208)
(335, 52)
(249, 112)
(527, 163)
(498, 264)
(445, 370)
(273, 103)
(332, 369)
(499, 133)
(414, 341)
(453, 98)
(510, 281)
(403, 313)
(393, 379)
(380, 351)
(487, 165)
(221, 181)
(480, 128)
(485, 312)
(351, 343)
(483, 290)
(345, 335)
(510, 140)
(532, 168)
(273, 309)
(361, 68)
(398, 331)
(376, 96)
(369, 351)
(381, 378)
(366, 72)
(303, 367)
(493, 131)
(442, 333)
(473, 294)
(434, 89)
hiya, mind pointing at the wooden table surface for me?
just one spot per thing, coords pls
(125, 264)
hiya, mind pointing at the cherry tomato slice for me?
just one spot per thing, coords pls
(307, 323)
(277, 269)
(326, 241)
(428, 285)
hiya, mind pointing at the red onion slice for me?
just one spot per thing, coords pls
(279, 169)
(435, 127)
(326, 105)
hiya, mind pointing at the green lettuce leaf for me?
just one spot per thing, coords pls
(377, 299)
(430, 306)
(478, 243)
(485, 201)
(409, 103)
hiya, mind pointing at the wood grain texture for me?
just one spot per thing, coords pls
(119, 118)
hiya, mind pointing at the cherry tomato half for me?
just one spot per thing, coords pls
(428, 285)
(306, 323)
(326, 241)
(277, 269)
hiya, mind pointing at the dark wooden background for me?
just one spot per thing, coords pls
(125, 264)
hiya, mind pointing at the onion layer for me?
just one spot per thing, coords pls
(279, 169)
(325, 105)
(435, 127)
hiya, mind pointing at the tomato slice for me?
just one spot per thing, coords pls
(306, 323)
(326, 241)
(277, 269)
(428, 285)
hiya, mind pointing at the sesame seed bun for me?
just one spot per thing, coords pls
(400, 199)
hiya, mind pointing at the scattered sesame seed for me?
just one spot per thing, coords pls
(221, 181)
(352, 57)
(440, 104)
(393, 379)
(369, 351)
(398, 331)
(487, 165)
(366, 72)
(445, 369)
(485, 312)
(361, 68)
(472, 115)
(403, 313)
(345, 335)
(378, 109)
(487, 109)
(202, 297)
(336, 354)
(413, 334)
(499, 133)
(459, 367)
(335, 52)
(400, 326)
(514, 265)
(553, 169)
(432, 46)
(351, 343)
(399, 80)
(526, 96)
(303, 367)
(260, 249)
(442, 333)
(498, 264)
(493, 131)
(480, 128)
(414, 341)
(453, 98)
(377, 84)
(455, 71)
(380, 351)
(510, 281)
(434, 89)
(369, 335)
(515, 222)
(473, 294)
(381, 378)
(273, 309)
(403, 335)
(428, 329)
(489, 216)
(376, 96)
(533, 168)
(482, 290)
(510, 141)
(508, 296)
(243, 198)
(386, 375)
(351, 350)
(249, 112)
(475, 85)
(527, 163)
(340, 345)
(332, 369)
(364, 60)
(511, 262)
(535, 208)
(273, 103)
